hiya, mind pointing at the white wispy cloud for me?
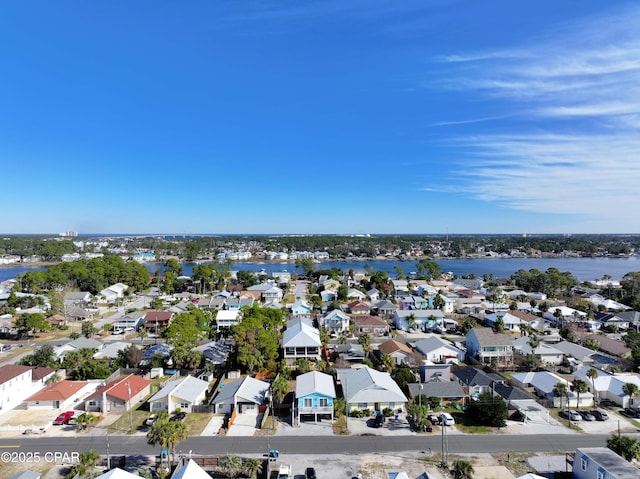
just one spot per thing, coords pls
(576, 94)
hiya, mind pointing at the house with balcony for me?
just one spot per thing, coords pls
(336, 321)
(315, 393)
(227, 318)
(301, 341)
(489, 347)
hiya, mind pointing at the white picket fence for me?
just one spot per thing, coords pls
(34, 428)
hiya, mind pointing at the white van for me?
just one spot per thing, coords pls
(447, 419)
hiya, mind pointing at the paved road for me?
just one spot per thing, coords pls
(309, 444)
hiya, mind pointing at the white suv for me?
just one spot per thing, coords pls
(447, 419)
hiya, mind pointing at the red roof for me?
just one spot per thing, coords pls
(58, 391)
(119, 388)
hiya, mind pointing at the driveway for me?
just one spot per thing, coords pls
(244, 425)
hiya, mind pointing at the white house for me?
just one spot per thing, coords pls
(113, 292)
(244, 395)
(180, 393)
(61, 395)
(225, 318)
(545, 352)
(301, 341)
(366, 388)
(15, 385)
(438, 350)
(336, 321)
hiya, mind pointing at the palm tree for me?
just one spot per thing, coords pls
(593, 374)
(232, 464)
(252, 466)
(157, 433)
(142, 333)
(579, 386)
(87, 461)
(462, 469)
(387, 362)
(279, 388)
(534, 342)
(560, 390)
(411, 321)
(85, 419)
(630, 389)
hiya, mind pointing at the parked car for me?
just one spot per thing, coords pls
(150, 420)
(6, 347)
(179, 416)
(378, 421)
(447, 419)
(570, 415)
(632, 412)
(310, 473)
(600, 414)
(587, 416)
(63, 418)
(434, 419)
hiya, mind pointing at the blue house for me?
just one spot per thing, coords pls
(315, 393)
(327, 296)
(301, 308)
(601, 463)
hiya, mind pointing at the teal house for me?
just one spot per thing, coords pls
(315, 393)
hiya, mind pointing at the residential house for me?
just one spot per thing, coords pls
(489, 347)
(189, 470)
(609, 386)
(544, 383)
(330, 284)
(434, 371)
(438, 350)
(366, 388)
(301, 308)
(268, 290)
(315, 393)
(606, 344)
(336, 321)
(562, 314)
(510, 321)
(118, 395)
(400, 352)
(157, 320)
(352, 352)
(372, 325)
(545, 352)
(418, 319)
(183, 393)
(112, 350)
(446, 391)
(579, 355)
(301, 341)
(356, 294)
(77, 297)
(239, 303)
(227, 318)
(400, 286)
(129, 322)
(385, 308)
(60, 395)
(113, 292)
(601, 463)
(56, 320)
(359, 308)
(215, 352)
(373, 295)
(15, 385)
(328, 296)
(244, 395)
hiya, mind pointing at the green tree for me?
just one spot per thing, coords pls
(630, 389)
(183, 331)
(488, 411)
(438, 301)
(156, 304)
(531, 362)
(258, 337)
(579, 387)
(387, 362)
(87, 461)
(560, 390)
(231, 464)
(251, 466)
(43, 357)
(167, 433)
(84, 420)
(462, 469)
(593, 374)
(279, 388)
(31, 322)
(306, 264)
(624, 446)
(365, 341)
(88, 329)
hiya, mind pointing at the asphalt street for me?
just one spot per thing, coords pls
(310, 444)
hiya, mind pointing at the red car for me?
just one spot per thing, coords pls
(63, 418)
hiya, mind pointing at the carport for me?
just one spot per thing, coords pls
(531, 410)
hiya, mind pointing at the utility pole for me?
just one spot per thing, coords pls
(130, 411)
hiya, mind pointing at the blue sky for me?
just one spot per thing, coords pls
(340, 116)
